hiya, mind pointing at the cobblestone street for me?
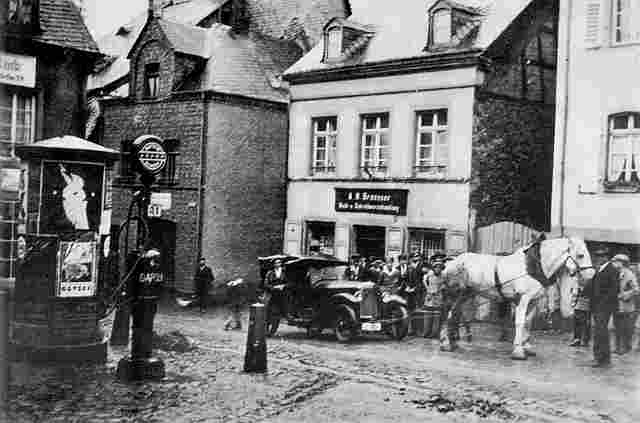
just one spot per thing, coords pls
(319, 380)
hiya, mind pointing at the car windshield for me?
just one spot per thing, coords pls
(326, 273)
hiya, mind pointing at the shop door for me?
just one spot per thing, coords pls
(163, 237)
(370, 240)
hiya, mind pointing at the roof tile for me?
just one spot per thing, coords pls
(62, 25)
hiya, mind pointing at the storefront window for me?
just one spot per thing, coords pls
(426, 242)
(320, 238)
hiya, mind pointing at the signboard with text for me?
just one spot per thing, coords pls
(376, 201)
(17, 70)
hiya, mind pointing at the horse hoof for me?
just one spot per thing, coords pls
(519, 354)
(528, 349)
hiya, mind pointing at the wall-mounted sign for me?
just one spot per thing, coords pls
(17, 70)
(161, 199)
(71, 198)
(375, 201)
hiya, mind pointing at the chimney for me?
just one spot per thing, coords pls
(154, 9)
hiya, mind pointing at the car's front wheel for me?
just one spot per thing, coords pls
(345, 323)
(399, 326)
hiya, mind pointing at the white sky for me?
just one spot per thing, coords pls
(103, 16)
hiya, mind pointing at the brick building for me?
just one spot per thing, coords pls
(206, 80)
(411, 126)
(46, 54)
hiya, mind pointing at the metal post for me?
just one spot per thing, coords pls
(255, 359)
(4, 347)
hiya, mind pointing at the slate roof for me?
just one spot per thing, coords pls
(278, 19)
(401, 32)
(62, 25)
(187, 39)
(247, 64)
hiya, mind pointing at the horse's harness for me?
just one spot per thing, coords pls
(533, 267)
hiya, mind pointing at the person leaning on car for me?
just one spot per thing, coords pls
(274, 278)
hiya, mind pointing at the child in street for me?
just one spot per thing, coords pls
(582, 316)
(433, 303)
(235, 295)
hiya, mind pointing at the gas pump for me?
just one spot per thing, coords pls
(143, 282)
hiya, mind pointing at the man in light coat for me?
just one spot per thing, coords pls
(624, 317)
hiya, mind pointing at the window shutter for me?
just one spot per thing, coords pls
(593, 23)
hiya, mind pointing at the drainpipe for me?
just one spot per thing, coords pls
(565, 117)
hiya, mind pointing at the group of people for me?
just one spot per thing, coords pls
(416, 278)
(613, 292)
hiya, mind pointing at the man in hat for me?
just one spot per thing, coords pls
(604, 302)
(352, 271)
(434, 301)
(623, 319)
(413, 286)
(203, 280)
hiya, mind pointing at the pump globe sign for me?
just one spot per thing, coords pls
(151, 154)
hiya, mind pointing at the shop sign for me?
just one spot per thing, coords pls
(375, 201)
(17, 70)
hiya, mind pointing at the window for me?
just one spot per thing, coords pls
(626, 21)
(324, 144)
(151, 79)
(226, 14)
(441, 27)
(334, 43)
(426, 242)
(21, 12)
(375, 144)
(432, 143)
(17, 121)
(168, 174)
(624, 148)
(320, 238)
(126, 161)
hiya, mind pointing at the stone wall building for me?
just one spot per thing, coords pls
(411, 126)
(204, 76)
(46, 54)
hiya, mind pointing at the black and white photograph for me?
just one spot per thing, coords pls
(350, 210)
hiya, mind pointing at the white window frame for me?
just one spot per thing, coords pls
(624, 144)
(334, 43)
(376, 165)
(442, 26)
(14, 123)
(434, 164)
(625, 14)
(330, 135)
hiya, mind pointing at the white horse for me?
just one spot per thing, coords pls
(520, 277)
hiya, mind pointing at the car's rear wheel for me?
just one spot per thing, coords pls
(345, 323)
(399, 327)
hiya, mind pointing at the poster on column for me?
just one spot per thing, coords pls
(76, 269)
(71, 197)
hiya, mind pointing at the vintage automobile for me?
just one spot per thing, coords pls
(317, 296)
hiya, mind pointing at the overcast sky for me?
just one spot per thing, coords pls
(105, 15)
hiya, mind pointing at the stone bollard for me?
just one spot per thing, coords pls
(255, 359)
(4, 347)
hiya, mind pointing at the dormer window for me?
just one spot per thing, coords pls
(151, 80)
(334, 43)
(441, 26)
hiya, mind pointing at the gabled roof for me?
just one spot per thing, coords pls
(401, 32)
(62, 25)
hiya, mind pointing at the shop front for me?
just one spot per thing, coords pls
(373, 221)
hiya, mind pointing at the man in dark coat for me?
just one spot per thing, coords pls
(413, 286)
(203, 280)
(604, 302)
